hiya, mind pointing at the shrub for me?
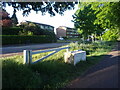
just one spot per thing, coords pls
(24, 32)
(111, 35)
(35, 29)
(6, 23)
(65, 38)
(14, 39)
(10, 30)
(19, 75)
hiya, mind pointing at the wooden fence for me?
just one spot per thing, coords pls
(28, 54)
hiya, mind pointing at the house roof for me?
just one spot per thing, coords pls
(40, 23)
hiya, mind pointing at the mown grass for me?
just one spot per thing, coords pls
(69, 40)
(51, 72)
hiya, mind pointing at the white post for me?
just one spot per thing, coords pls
(26, 58)
(67, 50)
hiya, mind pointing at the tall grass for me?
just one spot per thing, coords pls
(51, 72)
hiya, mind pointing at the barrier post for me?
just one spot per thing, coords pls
(26, 57)
(67, 50)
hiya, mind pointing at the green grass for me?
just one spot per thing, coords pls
(68, 40)
(51, 72)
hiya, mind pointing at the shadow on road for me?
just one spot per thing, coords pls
(107, 61)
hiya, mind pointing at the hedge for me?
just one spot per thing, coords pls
(10, 30)
(15, 39)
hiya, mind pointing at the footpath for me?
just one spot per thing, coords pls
(103, 75)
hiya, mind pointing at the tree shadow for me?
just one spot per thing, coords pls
(105, 62)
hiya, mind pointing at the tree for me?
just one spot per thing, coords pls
(111, 35)
(14, 18)
(115, 10)
(107, 14)
(50, 6)
(6, 20)
(84, 21)
(30, 28)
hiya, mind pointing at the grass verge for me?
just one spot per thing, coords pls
(51, 72)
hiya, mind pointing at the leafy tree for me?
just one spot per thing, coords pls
(111, 35)
(84, 21)
(5, 20)
(115, 10)
(14, 18)
(4, 14)
(23, 24)
(6, 23)
(107, 14)
(107, 17)
(50, 6)
(33, 29)
(29, 29)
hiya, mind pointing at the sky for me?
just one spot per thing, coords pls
(55, 21)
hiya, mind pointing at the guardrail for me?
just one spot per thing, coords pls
(28, 54)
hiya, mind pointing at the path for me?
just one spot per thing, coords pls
(17, 50)
(103, 75)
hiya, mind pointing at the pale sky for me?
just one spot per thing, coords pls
(55, 21)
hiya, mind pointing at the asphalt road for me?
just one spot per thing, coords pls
(103, 75)
(13, 50)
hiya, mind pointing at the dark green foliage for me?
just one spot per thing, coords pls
(14, 18)
(26, 29)
(7, 39)
(65, 38)
(115, 9)
(96, 17)
(10, 30)
(20, 75)
(107, 14)
(84, 21)
(47, 74)
(34, 29)
(31, 27)
(27, 34)
(50, 7)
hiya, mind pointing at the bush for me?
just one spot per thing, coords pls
(21, 76)
(35, 29)
(111, 35)
(14, 39)
(24, 32)
(10, 30)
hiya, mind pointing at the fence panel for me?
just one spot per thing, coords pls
(28, 54)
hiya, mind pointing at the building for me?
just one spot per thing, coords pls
(63, 31)
(43, 26)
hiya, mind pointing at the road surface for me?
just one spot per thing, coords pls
(15, 50)
(103, 75)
